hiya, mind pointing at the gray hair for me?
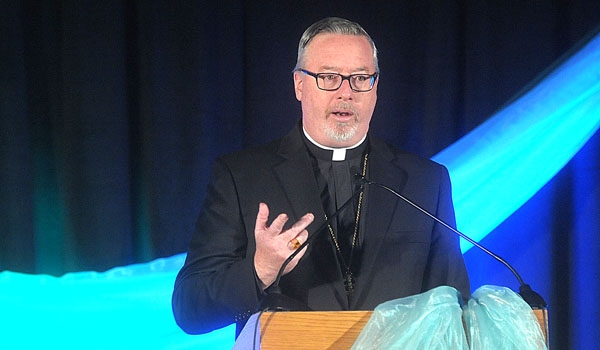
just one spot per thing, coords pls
(333, 25)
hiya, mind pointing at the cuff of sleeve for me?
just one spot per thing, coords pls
(258, 283)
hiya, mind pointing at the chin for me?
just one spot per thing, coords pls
(342, 131)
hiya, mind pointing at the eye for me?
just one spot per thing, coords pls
(328, 77)
(362, 78)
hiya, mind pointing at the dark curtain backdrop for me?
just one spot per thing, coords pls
(111, 113)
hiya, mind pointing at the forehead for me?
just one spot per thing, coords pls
(339, 52)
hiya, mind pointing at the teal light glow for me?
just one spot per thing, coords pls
(501, 164)
(124, 308)
(494, 169)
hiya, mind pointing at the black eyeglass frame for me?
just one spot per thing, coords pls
(372, 77)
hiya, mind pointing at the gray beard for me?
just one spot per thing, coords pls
(341, 132)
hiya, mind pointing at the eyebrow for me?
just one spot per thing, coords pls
(337, 69)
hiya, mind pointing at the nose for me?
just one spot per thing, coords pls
(345, 91)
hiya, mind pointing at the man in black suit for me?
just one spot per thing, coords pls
(262, 203)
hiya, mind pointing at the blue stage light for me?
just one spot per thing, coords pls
(501, 164)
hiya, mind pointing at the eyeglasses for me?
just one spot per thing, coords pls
(333, 81)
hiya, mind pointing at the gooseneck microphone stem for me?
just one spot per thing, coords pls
(464, 236)
(532, 298)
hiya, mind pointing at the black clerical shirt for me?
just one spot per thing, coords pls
(334, 171)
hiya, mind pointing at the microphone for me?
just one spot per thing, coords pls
(532, 298)
(275, 300)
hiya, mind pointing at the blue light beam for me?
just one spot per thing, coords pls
(501, 164)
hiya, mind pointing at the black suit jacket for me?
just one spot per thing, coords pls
(403, 252)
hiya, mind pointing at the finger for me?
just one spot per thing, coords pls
(304, 221)
(261, 217)
(302, 236)
(299, 226)
(308, 218)
(277, 224)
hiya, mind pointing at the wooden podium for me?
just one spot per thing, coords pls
(315, 329)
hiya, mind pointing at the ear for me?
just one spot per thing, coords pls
(298, 85)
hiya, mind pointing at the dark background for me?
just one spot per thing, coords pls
(111, 113)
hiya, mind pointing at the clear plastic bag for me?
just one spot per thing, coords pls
(494, 318)
(431, 320)
(498, 318)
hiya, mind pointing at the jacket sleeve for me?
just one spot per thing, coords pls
(217, 284)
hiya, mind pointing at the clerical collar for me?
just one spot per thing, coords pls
(338, 154)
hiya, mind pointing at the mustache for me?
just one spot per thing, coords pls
(342, 106)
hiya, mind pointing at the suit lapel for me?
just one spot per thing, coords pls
(380, 206)
(298, 184)
(297, 179)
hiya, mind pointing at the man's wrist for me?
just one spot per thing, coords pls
(259, 282)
